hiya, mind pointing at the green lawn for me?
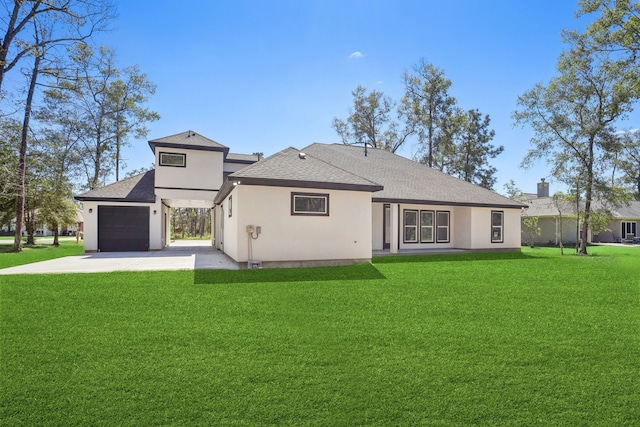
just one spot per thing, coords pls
(41, 251)
(444, 340)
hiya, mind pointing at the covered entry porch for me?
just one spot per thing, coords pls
(187, 223)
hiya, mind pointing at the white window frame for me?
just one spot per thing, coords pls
(497, 231)
(446, 227)
(295, 196)
(163, 162)
(431, 227)
(406, 227)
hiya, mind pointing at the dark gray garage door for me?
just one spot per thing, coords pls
(123, 228)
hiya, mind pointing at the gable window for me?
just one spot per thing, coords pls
(309, 204)
(426, 226)
(230, 205)
(442, 226)
(173, 159)
(497, 226)
(410, 226)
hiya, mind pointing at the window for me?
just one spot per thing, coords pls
(426, 226)
(173, 159)
(497, 225)
(230, 205)
(309, 204)
(410, 226)
(442, 226)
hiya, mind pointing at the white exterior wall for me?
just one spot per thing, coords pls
(91, 223)
(469, 228)
(343, 235)
(443, 245)
(480, 229)
(229, 224)
(203, 171)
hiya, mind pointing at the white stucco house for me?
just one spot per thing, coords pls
(323, 204)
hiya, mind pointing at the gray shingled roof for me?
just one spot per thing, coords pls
(289, 168)
(139, 188)
(241, 158)
(188, 139)
(405, 180)
(544, 207)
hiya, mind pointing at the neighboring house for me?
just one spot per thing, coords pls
(324, 204)
(624, 224)
(44, 230)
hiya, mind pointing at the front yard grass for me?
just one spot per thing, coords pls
(472, 339)
(41, 251)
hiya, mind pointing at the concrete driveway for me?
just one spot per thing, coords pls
(181, 255)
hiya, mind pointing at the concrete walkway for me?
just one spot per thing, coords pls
(181, 255)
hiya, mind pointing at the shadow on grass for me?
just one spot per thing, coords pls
(314, 274)
(469, 256)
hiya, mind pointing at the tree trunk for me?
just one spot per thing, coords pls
(588, 194)
(96, 165)
(56, 243)
(30, 226)
(22, 162)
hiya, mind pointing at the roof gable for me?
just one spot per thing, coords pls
(139, 188)
(189, 140)
(405, 180)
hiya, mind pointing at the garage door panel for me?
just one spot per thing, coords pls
(123, 228)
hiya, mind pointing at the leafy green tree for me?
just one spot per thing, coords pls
(430, 106)
(9, 147)
(574, 116)
(473, 150)
(629, 161)
(102, 105)
(57, 210)
(370, 122)
(530, 230)
(615, 30)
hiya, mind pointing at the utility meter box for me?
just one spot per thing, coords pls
(251, 264)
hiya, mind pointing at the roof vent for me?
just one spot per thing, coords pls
(302, 155)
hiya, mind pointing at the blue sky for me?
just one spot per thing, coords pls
(266, 75)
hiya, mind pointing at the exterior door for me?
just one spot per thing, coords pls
(628, 228)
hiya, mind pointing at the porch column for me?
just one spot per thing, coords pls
(395, 227)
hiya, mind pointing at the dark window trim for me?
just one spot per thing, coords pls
(404, 226)
(501, 227)
(316, 195)
(183, 155)
(230, 206)
(433, 227)
(448, 227)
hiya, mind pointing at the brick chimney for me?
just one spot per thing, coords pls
(543, 188)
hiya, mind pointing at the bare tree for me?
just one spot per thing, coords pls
(73, 20)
